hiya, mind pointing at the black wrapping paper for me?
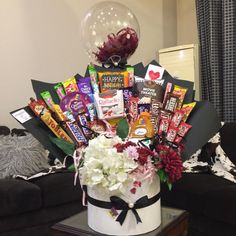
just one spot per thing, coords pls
(204, 120)
(41, 132)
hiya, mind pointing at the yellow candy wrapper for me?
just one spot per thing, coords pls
(54, 127)
(187, 108)
(70, 85)
(180, 92)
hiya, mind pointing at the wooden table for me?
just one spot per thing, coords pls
(174, 223)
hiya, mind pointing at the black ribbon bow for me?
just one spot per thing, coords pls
(120, 204)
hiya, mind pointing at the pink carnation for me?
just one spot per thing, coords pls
(132, 152)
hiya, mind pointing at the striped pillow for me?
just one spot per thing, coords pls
(21, 155)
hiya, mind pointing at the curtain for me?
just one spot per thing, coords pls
(216, 21)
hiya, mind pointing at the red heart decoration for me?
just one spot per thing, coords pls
(154, 75)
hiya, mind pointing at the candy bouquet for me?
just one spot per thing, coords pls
(123, 128)
(125, 134)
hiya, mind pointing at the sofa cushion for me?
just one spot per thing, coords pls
(18, 196)
(227, 133)
(21, 155)
(58, 188)
(221, 204)
(192, 192)
(25, 224)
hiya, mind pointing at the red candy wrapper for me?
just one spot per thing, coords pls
(171, 134)
(177, 117)
(183, 129)
(97, 126)
(166, 114)
(178, 139)
(133, 107)
(37, 107)
(168, 90)
(164, 125)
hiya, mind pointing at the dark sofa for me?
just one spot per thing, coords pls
(32, 207)
(209, 199)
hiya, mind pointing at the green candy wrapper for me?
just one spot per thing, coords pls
(60, 90)
(47, 98)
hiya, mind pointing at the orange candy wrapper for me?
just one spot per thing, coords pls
(142, 127)
(113, 80)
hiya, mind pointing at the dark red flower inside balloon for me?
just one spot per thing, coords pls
(118, 47)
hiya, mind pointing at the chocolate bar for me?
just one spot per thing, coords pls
(171, 102)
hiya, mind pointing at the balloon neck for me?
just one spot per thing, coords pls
(115, 61)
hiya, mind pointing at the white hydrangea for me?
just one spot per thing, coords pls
(104, 166)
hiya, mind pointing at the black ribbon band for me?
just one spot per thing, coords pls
(120, 204)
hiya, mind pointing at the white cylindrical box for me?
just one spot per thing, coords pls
(101, 221)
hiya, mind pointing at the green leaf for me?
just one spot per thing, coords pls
(71, 168)
(122, 129)
(162, 175)
(67, 147)
(169, 186)
(164, 178)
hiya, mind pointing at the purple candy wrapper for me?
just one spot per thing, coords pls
(77, 107)
(82, 119)
(127, 93)
(75, 96)
(144, 107)
(77, 133)
(84, 85)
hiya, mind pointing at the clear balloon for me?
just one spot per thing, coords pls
(110, 33)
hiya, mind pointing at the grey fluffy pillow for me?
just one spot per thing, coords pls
(22, 155)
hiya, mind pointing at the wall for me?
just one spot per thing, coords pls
(40, 39)
(169, 23)
(186, 22)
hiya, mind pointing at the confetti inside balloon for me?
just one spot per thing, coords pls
(110, 33)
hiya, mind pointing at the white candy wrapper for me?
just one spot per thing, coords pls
(110, 104)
